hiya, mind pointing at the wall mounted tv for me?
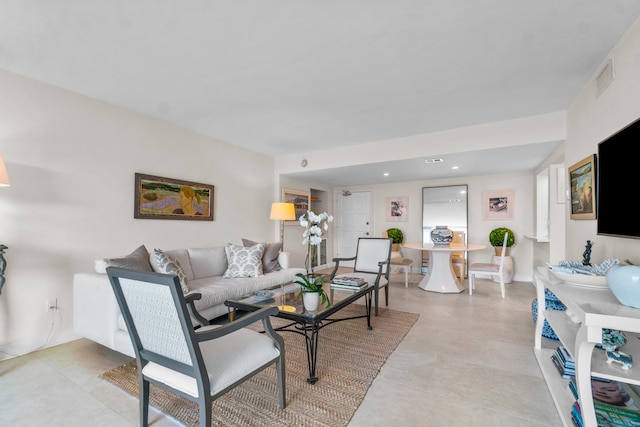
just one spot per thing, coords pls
(618, 172)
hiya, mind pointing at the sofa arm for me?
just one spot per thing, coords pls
(283, 259)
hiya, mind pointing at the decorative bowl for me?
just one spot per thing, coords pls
(581, 279)
(624, 282)
(262, 295)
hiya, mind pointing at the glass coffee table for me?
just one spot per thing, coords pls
(306, 323)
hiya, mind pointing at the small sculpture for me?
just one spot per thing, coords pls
(586, 260)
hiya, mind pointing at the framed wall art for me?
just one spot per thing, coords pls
(582, 178)
(167, 198)
(397, 208)
(301, 201)
(498, 204)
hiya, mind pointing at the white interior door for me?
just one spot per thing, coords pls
(353, 221)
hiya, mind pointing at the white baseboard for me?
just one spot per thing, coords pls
(9, 351)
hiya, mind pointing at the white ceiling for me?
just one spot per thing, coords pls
(291, 76)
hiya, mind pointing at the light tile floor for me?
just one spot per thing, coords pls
(468, 361)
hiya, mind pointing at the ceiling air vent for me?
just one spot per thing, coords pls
(434, 160)
(605, 77)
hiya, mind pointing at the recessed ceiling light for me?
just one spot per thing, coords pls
(386, 174)
(455, 167)
(433, 160)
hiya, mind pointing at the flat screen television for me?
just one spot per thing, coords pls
(618, 169)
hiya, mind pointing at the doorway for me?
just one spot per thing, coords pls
(352, 221)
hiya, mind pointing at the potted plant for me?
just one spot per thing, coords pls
(496, 238)
(396, 236)
(311, 291)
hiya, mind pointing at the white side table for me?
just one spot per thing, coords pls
(508, 268)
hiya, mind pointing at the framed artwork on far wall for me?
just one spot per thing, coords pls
(397, 208)
(167, 198)
(582, 178)
(301, 201)
(498, 204)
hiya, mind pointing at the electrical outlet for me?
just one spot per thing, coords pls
(50, 305)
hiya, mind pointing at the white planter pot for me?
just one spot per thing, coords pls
(311, 300)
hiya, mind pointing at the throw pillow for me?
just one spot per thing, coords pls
(270, 258)
(136, 260)
(243, 262)
(167, 265)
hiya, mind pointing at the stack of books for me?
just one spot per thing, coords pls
(616, 404)
(564, 362)
(347, 282)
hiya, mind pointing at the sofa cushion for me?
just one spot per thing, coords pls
(270, 256)
(136, 260)
(167, 265)
(243, 262)
(207, 262)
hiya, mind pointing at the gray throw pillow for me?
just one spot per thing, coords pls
(270, 258)
(167, 265)
(136, 260)
(243, 262)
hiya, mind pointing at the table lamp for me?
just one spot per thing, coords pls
(283, 212)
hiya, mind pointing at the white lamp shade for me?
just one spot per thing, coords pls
(4, 176)
(283, 212)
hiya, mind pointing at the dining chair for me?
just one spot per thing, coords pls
(200, 365)
(493, 270)
(372, 261)
(397, 260)
(458, 257)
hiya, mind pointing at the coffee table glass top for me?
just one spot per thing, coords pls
(290, 304)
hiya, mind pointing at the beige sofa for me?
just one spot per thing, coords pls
(96, 314)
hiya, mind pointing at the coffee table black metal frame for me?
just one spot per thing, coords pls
(307, 324)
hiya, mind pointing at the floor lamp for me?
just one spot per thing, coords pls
(283, 212)
(4, 182)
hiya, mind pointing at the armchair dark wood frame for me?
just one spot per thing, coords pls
(380, 273)
(193, 338)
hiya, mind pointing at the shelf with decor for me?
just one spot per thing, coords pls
(589, 310)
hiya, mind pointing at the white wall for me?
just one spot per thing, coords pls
(71, 161)
(592, 118)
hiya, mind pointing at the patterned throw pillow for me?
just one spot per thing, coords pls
(270, 258)
(167, 265)
(244, 262)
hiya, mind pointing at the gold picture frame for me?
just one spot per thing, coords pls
(582, 179)
(157, 197)
(301, 201)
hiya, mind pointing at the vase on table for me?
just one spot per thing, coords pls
(441, 235)
(624, 282)
(311, 300)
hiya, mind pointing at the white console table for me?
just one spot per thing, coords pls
(589, 310)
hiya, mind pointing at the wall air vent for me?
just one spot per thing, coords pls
(605, 77)
(434, 160)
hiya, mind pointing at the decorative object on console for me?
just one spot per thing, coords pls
(551, 303)
(312, 236)
(612, 340)
(624, 282)
(167, 198)
(496, 238)
(282, 212)
(574, 272)
(498, 204)
(310, 284)
(582, 178)
(441, 235)
(586, 256)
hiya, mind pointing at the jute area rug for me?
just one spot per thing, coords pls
(349, 358)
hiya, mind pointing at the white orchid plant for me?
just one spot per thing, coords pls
(314, 225)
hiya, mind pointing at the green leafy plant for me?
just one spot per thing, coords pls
(496, 237)
(396, 235)
(310, 283)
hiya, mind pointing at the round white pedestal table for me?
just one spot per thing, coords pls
(440, 275)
